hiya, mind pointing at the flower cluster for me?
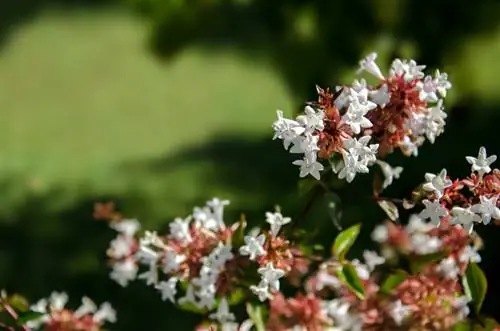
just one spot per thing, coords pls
(463, 201)
(416, 282)
(358, 124)
(428, 297)
(206, 258)
(53, 316)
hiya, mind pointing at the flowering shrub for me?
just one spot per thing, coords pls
(425, 275)
(52, 315)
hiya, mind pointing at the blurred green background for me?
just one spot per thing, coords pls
(162, 104)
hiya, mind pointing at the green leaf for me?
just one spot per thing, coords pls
(419, 262)
(29, 316)
(236, 297)
(476, 284)
(19, 303)
(392, 281)
(345, 240)
(351, 278)
(255, 314)
(191, 307)
(463, 326)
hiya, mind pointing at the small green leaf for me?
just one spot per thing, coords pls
(236, 297)
(191, 307)
(419, 262)
(351, 278)
(477, 285)
(255, 314)
(29, 316)
(19, 303)
(345, 240)
(463, 326)
(393, 281)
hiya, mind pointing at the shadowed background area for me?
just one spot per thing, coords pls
(162, 104)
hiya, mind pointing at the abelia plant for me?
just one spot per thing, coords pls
(425, 275)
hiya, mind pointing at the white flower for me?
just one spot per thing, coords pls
(358, 85)
(222, 315)
(399, 312)
(382, 96)
(368, 64)
(482, 163)
(276, 220)
(469, 254)
(416, 224)
(271, 276)
(357, 156)
(325, 279)
(372, 259)
(204, 218)
(217, 206)
(150, 276)
(40, 306)
(253, 246)
(127, 227)
(311, 120)
(308, 167)
(424, 244)
(461, 305)
(362, 270)
(487, 208)
(168, 289)
(179, 229)
(355, 115)
(124, 271)
(389, 172)
(189, 296)
(88, 307)
(105, 313)
(408, 69)
(434, 211)
(380, 234)
(465, 217)
(437, 183)
(427, 89)
(360, 148)
(58, 300)
(172, 261)
(286, 129)
(434, 122)
(338, 310)
(121, 247)
(307, 143)
(146, 255)
(448, 268)
(410, 147)
(442, 83)
(261, 290)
